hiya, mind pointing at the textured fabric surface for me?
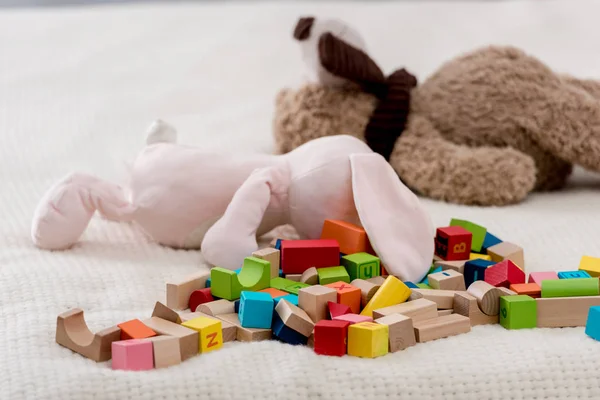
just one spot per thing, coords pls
(78, 88)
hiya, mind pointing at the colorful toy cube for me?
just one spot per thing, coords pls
(353, 318)
(313, 300)
(479, 233)
(135, 329)
(447, 280)
(132, 355)
(518, 312)
(332, 274)
(295, 288)
(361, 265)
(224, 284)
(489, 241)
(285, 333)
(256, 310)
(336, 309)
(347, 294)
(351, 238)
(368, 339)
(292, 298)
(530, 289)
(592, 325)
(331, 337)
(475, 270)
(591, 265)
(573, 274)
(504, 274)
(210, 333)
(453, 243)
(538, 277)
(299, 255)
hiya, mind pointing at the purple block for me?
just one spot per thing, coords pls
(132, 355)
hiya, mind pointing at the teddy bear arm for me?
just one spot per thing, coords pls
(440, 169)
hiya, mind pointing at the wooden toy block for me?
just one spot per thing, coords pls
(295, 288)
(289, 297)
(489, 241)
(538, 277)
(353, 318)
(348, 295)
(216, 307)
(294, 318)
(254, 275)
(281, 283)
(351, 238)
(453, 243)
(198, 297)
(488, 297)
(361, 265)
(299, 255)
(287, 334)
(256, 310)
(73, 333)
(330, 337)
(178, 293)
(273, 292)
(458, 266)
(164, 312)
(393, 291)
(313, 300)
(441, 313)
(418, 310)
(310, 342)
(246, 334)
(475, 270)
(332, 274)
(166, 351)
(573, 274)
(135, 329)
(310, 276)
(225, 284)
(592, 324)
(506, 291)
(410, 285)
(530, 289)
(441, 327)
(401, 332)
(518, 312)
(466, 305)
(424, 284)
(378, 280)
(443, 298)
(479, 232)
(188, 338)
(336, 309)
(507, 251)
(564, 311)
(591, 265)
(132, 355)
(571, 287)
(504, 273)
(447, 280)
(272, 256)
(229, 330)
(368, 339)
(294, 277)
(477, 256)
(367, 290)
(210, 333)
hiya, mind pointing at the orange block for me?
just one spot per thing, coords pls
(274, 292)
(530, 289)
(135, 329)
(348, 295)
(352, 238)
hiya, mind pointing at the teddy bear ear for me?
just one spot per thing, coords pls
(303, 27)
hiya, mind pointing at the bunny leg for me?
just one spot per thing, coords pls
(233, 236)
(437, 168)
(67, 207)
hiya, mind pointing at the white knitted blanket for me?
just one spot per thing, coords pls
(78, 87)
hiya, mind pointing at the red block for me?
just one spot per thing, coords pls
(453, 243)
(504, 273)
(331, 337)
(336, 309)
(299, 255)
(199, 297)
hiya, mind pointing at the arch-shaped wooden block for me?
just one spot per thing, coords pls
(254, 275)
(73, 333)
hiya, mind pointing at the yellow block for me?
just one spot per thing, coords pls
(475, 256)
(368, 339)
(393, 291)
(591, 265)
(210, 333)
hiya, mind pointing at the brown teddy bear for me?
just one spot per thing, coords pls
(487, 128)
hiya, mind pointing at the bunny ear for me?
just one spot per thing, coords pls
(398, 227)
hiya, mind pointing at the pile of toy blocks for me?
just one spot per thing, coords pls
(333, 295)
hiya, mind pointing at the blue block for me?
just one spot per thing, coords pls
(573, 274)
(256, 310)
(285, 333)
(291, 298)
(475, 270)
(592, 325)
(432, 270)
(207, 283)
(236, 306)
(281, 274)
(411, 285)
(489, 241)
(278, 244)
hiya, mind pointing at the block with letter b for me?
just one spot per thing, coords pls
(453, 243)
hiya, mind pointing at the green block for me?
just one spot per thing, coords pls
(224, 284)
(478, 232)
(255, 274)
(423, 286)
(281, 283)
(570, 287)
(332, 274)
(361, 266)
(295, 288)
(518, 312)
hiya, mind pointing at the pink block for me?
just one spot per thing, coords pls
(353, 318)
(538, 277)
(132, 355)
